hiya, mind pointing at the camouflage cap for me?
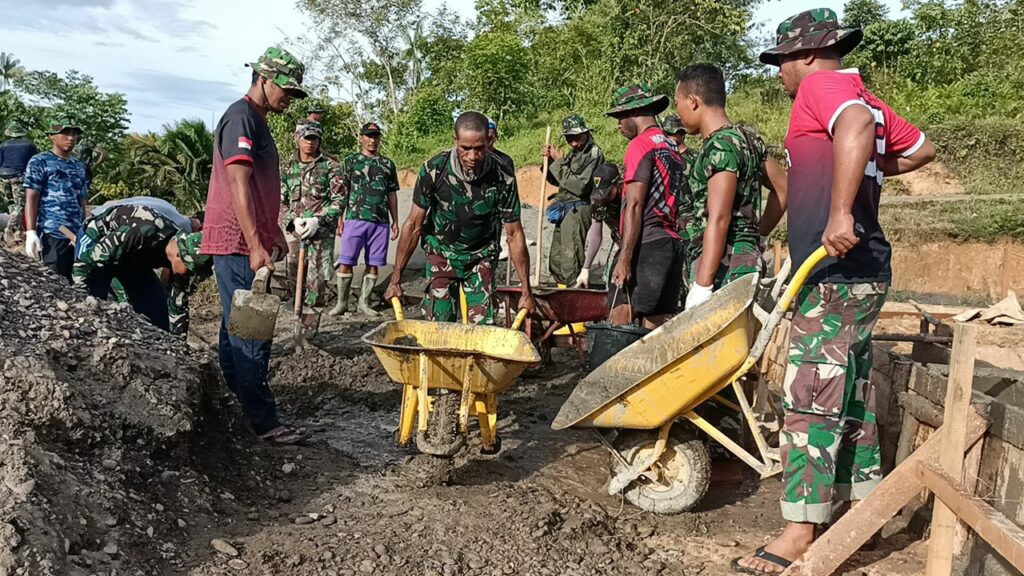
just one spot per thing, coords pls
(810, 30)
(307, 128)
(61, 123)
(574, 124)
(279, 66)
(673, 125)
(188, 251)
(605, 177)
(15, 130)
(635, 97)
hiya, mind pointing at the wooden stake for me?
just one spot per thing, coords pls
(777, 258)
(951, 457)
(972, 467)
(541, 209)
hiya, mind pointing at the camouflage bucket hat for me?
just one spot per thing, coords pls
(810, 30)
(636, 96)
(605, 177)
(15, 130)
(59, 124)
(673, 125)
(188, 251)
(574, 124)
(279, 66)
(308, 128)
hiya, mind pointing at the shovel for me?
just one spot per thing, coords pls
(254, 311)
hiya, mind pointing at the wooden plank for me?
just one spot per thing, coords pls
(921, 408)
(951, 457)
(541, 212)
(1002, 535)
(972, 468)
(851, 531)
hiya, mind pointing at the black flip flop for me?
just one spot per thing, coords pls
(763, 555)
(284, 436)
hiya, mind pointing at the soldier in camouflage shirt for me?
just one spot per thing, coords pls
(676, 132)
(371, 219)
(14, 156)
(726, 185)
(312, 186)
(462, 200)
(125, 244)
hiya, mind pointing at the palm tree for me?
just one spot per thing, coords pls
(414, 44)
(175, 164)
(10, 68)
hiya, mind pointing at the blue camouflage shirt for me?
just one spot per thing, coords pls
(63, 186)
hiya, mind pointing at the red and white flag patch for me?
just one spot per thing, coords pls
(244, 143)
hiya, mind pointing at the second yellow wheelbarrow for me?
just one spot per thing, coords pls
(450, 372)
(666, 376)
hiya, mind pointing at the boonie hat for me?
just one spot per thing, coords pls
(574, 124)
(279, 66)
(636, 96)
(673, 125)
(810, 30)
(61, 123)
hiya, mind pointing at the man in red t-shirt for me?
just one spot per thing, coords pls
(841, 141)
(648, 268)
(241, 230)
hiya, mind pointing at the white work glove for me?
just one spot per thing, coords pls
(697, 295)
(33, 247)
(583, 280)
(305, 228)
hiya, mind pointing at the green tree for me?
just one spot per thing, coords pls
(103, 116)
(863, 13)
(174, 165)
(10, 69)
(495, 74)
(340, 126)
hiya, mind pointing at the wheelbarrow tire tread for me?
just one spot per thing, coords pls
(442, 437)
(682, 495)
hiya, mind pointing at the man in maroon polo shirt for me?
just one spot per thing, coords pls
(841, 141)
(241, 230)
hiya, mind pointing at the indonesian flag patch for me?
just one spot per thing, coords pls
(245, 143)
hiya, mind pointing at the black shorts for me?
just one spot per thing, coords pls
(657, 276)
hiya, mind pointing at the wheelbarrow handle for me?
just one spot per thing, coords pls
(520, 316)
(396, 305)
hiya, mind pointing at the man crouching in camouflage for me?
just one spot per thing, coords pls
(313, 193)
(461, 200)
(126, 243)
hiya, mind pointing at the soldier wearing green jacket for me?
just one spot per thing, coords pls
(313, 193)
(573, 173)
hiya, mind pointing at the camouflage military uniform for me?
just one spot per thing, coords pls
(729, 149)
(830, 438)
(685, 215)
(461, 234)
(125, 244)
(370, 180)
(315, 189)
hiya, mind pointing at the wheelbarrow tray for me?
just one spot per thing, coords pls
(488, 358)
(563, 305)
(671, 370)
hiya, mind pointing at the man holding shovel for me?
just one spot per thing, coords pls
(841, 141)
(313, 193)
(241, 231)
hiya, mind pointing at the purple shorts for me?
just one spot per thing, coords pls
(359, 234)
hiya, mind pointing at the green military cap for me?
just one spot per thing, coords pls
(15, 130)
(188, 251)
(810, 30)
(60, 123)
(673, 125)
(636, 96)
(279, 66)
(574, 124)
(307, 128)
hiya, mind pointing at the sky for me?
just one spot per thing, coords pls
(185, 58)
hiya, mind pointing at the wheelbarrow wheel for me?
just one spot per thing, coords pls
(679, 479)
(442, 436)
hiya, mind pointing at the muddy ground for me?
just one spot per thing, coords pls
(139, 465)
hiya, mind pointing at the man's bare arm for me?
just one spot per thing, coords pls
(853, 142)
(411, 230)
(894, 165)
(721, 195)
(31, 208)
(245, 213)
(775, 179)
(632, 221)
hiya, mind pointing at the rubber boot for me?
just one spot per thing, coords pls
(344, 292)
(364, 297)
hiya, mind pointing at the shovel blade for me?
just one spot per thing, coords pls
(253, 316)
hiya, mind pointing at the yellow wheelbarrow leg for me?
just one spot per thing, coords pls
(748, 414)
(407, 421)
(422, 389)
(487, 415)
(641, 467)
(762, 468)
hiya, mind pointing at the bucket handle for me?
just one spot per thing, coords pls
(259, 283)
(396, 305)
(629, 301)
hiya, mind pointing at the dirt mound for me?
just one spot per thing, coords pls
(94, 405)
(932, 180)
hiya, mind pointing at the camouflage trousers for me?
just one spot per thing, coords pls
(829, 442)
(319, 273)
(12, 197)
(445, 277)
(740, 259)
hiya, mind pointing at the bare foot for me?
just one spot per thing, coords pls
(795, 539)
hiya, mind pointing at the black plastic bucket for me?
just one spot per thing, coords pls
(605, 340)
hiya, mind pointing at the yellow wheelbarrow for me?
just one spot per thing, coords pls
(666, 376)
(450, 372)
